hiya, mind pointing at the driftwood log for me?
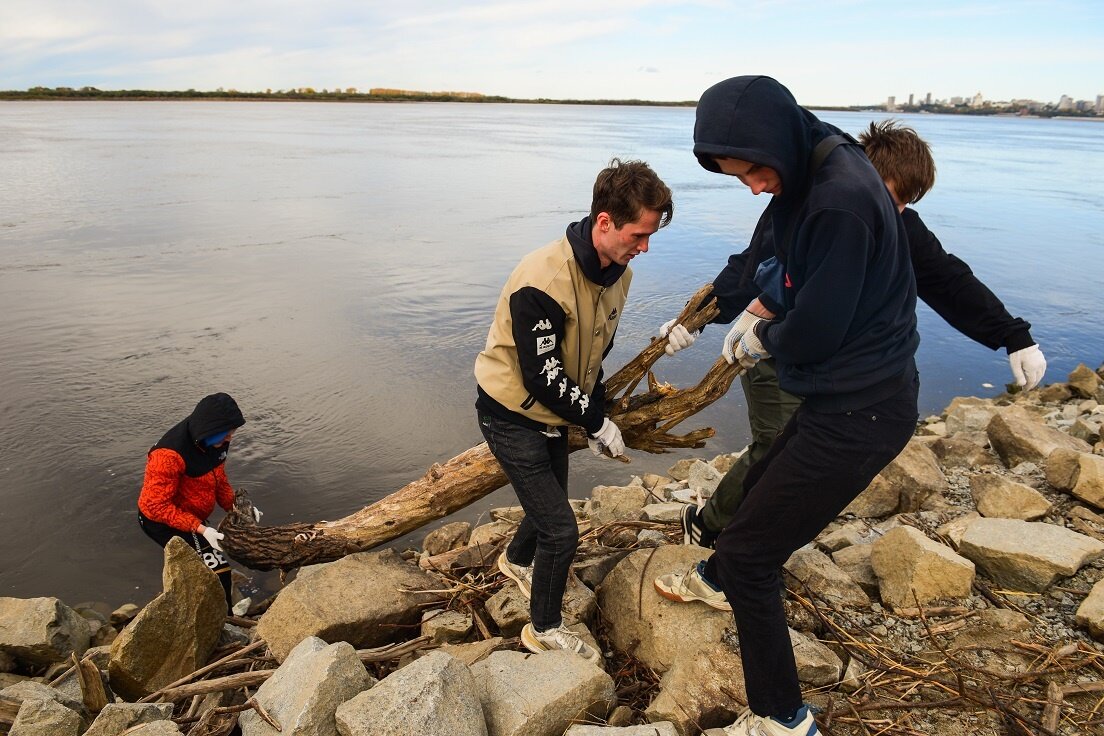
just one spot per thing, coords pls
(645, 419)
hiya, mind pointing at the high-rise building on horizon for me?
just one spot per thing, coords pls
(910, 99)
(927, 99)
(891, 104)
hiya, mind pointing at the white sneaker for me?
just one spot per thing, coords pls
(559, 638)
(691, 586)
(749, 724)
(523, 576)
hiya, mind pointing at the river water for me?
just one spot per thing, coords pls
(335, 267)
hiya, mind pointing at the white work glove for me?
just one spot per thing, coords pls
(678, 337)
(749, 350)
(609, 437)
(213, 537)
(1028, 366)
(741, 327)
(257, 515)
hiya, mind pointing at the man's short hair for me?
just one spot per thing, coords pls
(624, 189)
(901, 155)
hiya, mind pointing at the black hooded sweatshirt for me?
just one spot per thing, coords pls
(213, 415)
(848, 336)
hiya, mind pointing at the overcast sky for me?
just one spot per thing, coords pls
(827, 53)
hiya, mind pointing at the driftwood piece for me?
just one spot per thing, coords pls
(645, 420)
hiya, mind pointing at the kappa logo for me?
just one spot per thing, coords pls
(613, 315)
(544, 324)
(545, 343)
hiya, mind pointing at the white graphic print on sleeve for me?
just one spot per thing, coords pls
(576, 392)
(584, 402)
(563, 387)
(545, 343)
(551, 370)
(544, 324)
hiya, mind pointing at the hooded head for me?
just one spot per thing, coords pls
(214, 415)
(756, 119)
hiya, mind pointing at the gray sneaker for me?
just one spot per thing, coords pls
(560, 637)
(523, 576)
(691, 586)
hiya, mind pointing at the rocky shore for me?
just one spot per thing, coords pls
(961, 593)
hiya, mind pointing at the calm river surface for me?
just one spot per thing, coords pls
(335, 266)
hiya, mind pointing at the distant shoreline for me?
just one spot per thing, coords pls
(63, 94)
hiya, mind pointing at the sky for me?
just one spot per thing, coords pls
(851, 52)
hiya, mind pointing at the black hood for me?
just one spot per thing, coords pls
(756, 119)
(579, 235)
(213, 415)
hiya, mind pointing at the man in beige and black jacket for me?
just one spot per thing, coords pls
(541, 371)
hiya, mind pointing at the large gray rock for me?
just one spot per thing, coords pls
(1018, 437)
(703, 689)
(704, 478)
(907, 562)
(610, 503)
(40, 631)
(878, 499)
(959, 451)
(1084, 382)
(31, 690)
(491, 533)
(997, 496)
(447, 537)
(1026, 555)
(1090, 613)
(359, 599)
(509, 609)
(431, 694)
(969, 414)
(541, 694)
(45, 718)
(305, 692)
(817, 665)
(814, 569)
(175, 634)
(655, 630)
(855, 561)
(118, 717)
(916, 474)
(446, 626)
(1078, 473)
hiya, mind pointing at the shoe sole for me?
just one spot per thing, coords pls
(504, 568)
(673, 596)
(530, 641)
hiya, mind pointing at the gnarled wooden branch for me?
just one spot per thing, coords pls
(645, 420)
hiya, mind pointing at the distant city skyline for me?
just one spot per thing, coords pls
(853, 53)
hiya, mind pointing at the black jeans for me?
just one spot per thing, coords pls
(212, 558)
(548, 535)
(817, 466)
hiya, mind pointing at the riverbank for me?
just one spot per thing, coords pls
(961, 592)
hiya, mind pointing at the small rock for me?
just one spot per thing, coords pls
(447, 537)
(996, 496)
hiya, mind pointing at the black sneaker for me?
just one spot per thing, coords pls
(694, 530)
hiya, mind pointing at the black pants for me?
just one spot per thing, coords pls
(548, 536)
(212, 558)
(819, 464)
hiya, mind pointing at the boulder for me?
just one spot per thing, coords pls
(961, 452)
(449, 536)
(446, 626)
(681, 469)
(491, 533)
(955, 528)
(997, 496)
(359, 599)
(37, 632)
(701, 690)
(45, 718)
(1084, 382)
(969, 414)
(1086, 429)
(305, 692)
(641, 622)
(456, 561)
(611, 503)
(855, 561)
(817, 665)
(667, 512)
(593, 568)
(815, 570)
(880, 498)
(703, 478)
(1078, 473)
(846, 535)
(1026, 555)
(1090, 613)
(30, 690)
(475, 651)
(542, 694)
(1055, 393)
(906, 561)
(118, 717)
(176, 632)
(432, 694)
(509, 609)
(1018, 437)
(915, 472)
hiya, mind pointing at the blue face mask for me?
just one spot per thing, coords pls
(215, 439)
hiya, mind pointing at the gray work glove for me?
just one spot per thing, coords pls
(678, 337)
(749, 350)
(742, 326)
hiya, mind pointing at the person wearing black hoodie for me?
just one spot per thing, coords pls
(185, 477)
(844, 339)
(541, 371)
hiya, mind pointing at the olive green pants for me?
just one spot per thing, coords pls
(769, 408)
